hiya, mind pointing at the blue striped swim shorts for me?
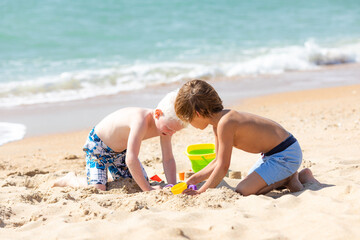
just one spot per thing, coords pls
(100, 158)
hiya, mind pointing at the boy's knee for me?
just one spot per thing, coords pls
(243, 190)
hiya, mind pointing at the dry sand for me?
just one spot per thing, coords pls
(325, 121)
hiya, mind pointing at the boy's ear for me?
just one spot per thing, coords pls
(197, 113)
(158, 113)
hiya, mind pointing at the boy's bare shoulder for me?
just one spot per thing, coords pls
(228, 119)
(127, 117)
(241, 117)
(233, 119)
(137, 114)
(232, 116)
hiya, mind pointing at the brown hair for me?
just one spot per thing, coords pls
(197, 96)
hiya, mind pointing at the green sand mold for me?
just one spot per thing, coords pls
(202, 151)
(200, 155)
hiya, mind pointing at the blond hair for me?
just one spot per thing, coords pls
(166, 105)
(197, 96)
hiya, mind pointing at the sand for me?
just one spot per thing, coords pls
(325, 121)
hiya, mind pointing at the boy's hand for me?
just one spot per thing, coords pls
(191, 181)
(190, 192)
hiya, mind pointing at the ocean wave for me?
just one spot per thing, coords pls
(331, 56)
(11, 132)
(83, 84)
(295, 58)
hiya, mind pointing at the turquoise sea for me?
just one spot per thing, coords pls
(55, 51)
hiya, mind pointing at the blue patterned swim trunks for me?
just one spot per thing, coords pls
(100, 157)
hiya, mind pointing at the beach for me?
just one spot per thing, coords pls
(65, 66)
(326, 122)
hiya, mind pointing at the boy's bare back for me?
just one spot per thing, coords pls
(114, 129)
(249, 132)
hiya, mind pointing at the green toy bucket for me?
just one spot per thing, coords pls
(200, 155)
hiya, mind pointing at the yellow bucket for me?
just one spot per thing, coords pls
(200, 155)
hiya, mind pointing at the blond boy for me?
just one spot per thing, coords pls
(114, 145)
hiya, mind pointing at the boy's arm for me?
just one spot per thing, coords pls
(137, 131)
(168, 159)
(204, 173)
(223, 158)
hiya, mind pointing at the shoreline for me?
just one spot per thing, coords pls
(64, 117)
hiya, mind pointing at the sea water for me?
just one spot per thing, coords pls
(11, 132)
(56, 51)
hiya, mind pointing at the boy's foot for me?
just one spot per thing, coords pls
(294, 185)
(69, 180)
(306, 176)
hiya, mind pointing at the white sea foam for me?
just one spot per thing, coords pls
(90, 83)
(11, 132)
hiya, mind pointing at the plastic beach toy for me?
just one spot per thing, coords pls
(193, 187)
(156, 178)
(200, 155)
(179, 188)
(181, 176)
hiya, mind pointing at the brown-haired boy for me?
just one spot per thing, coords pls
(199, 104)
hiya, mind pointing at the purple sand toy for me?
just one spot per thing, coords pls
(193, 187)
